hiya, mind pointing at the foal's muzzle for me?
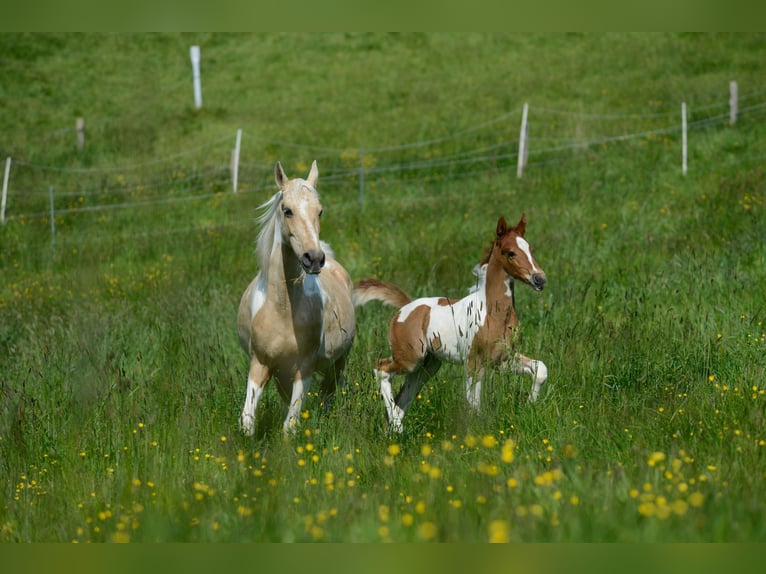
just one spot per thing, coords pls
(538, 281)
(313, 261)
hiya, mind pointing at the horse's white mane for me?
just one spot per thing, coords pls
(266, 236)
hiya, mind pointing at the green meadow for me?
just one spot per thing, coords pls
(123, 258)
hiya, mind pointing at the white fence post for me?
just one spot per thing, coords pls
(195, 58)
(733, 103)
(235, 161)
(53, 219)
(361, 175)
(5, 189)
(522, 160)
(80, 128)
(683, 138)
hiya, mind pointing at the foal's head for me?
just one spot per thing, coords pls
(299, 213)
(515, 254)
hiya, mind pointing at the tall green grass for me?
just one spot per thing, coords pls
(120, 371)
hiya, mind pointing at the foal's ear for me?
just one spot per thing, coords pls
(280, 177)
(502, 227)
(521, 226)
(313, 175)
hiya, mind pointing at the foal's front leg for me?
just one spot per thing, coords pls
(522, 365)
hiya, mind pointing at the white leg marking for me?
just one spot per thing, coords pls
(538, 370)
(395, 414)
(473, 392)
(300, 388)
(247, 422)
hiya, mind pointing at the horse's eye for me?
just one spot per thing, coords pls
(510, 254)
(321, 211)
(287, 212)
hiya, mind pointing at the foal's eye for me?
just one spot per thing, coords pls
(287, 212)
(510, 254)
(321, 211)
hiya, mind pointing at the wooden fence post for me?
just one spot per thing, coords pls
(5, 189)
(733, 103)
(683, 138)
(522, 160)
(194, 52)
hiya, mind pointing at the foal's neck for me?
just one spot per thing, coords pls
(499, 290)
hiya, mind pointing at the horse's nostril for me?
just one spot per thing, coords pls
(306, 260)
(322, 261)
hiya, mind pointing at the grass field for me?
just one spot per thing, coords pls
(121, 376)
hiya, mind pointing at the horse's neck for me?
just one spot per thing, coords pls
(284, 276)
(499, 292)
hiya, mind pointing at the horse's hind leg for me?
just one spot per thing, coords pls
(332, 379)
(524, 365)
(257, 377)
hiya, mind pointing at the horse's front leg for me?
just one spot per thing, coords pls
(524, 365)
(257, 377)
(301, 387)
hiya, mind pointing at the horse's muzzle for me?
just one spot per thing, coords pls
(313, 261)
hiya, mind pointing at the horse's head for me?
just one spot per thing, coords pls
(299, 213)
(515, 254)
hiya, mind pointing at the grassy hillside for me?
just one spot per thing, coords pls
(120, 372)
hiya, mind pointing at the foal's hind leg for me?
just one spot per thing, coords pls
(414, 381)
(524, 365)
(257, 377)
(385, 369)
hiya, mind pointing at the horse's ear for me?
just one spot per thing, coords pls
(313, 174)
(280, 177)
(502, 227)
(521, 226)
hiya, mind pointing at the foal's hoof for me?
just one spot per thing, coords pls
(247, 425)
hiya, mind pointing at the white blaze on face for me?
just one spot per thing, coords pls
(524, 246)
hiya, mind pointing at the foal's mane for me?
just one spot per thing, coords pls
(488, 253)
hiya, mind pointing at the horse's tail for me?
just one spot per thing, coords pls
(366, 290)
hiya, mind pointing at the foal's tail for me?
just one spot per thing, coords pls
(366, 290)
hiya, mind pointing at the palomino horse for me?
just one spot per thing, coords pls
(293, 320)
(480, 329)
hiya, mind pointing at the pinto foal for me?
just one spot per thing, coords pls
(480, 329)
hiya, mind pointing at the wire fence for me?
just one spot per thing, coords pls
(35, 191)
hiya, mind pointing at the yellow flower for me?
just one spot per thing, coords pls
(488, 441)
(655, 457)
(498, 532)
(427, 531)
(407, 519)
(394, 449)
(506, 453)
(696, 499)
